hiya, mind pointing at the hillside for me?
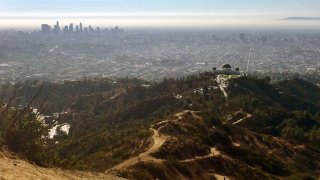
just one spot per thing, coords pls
(196, 127)
(12, 167)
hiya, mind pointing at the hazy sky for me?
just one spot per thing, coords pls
(155, 12)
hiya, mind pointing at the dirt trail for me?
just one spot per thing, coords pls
(115, 96)
(219, 177)
(158, 140)
(15, 169)
(245, 118)
(213, 152)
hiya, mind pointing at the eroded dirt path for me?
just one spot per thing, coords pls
(219, 177)
(114, 96)
(213, 152)
(158, 141)
(245, 118)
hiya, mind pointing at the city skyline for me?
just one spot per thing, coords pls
(76, 28)
(159, 13)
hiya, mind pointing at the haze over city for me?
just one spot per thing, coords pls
(117, 38)
(29, 14)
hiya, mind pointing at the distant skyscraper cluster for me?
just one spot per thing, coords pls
(46, 29)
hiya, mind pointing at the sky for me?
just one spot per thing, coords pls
(158, 13)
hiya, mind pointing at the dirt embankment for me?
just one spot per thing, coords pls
(13, 168)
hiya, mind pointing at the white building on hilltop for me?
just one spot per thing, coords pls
(227, 70)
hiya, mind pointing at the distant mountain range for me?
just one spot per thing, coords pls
(303, 18)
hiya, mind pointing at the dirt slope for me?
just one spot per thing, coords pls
(12, 168)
